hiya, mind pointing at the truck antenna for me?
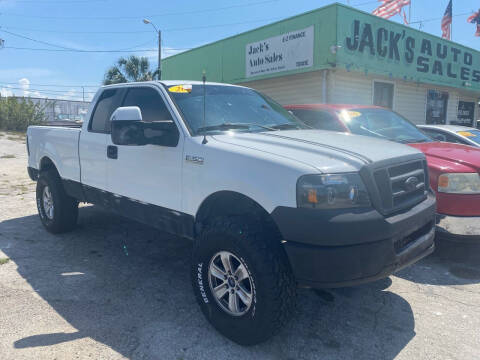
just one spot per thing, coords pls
(204, 78)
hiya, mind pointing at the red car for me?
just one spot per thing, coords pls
(454, 168)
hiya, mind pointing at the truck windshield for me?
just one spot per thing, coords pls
(230, 108)
(473, 135)
(383, 124)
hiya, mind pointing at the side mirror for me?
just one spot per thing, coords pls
(163, 133)
(128, 128)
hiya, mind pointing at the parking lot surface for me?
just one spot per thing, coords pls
(115, 289)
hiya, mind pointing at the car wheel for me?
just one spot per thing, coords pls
(58, 211)
(242, 279)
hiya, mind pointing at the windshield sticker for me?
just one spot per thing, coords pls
(466, 133)
(353, 114)
(183, 89)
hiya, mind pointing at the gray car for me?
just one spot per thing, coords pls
(453, 133)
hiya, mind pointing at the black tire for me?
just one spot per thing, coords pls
(274, 287)
(65, 208)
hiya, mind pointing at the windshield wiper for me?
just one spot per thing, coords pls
(411, 141)
(285, 126)
(230, 126)
(224, 126)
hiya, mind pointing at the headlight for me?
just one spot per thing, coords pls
(332, 191)
(459, 183)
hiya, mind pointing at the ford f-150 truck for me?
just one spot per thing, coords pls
(269, 203)
(454, 168)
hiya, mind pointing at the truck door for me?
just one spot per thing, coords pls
(93, 143)
(149, 174)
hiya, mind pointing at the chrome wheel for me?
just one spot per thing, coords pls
(48, 202)
(230, 283)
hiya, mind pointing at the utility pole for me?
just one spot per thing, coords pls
(83, 93)
(159, 33)
(159, 69)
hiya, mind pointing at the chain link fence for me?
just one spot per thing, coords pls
(57, 110)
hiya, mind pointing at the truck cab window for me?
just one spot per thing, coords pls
(150, 103)
(106, 105)
(318, 119)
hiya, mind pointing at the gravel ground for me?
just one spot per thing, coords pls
(114, 289)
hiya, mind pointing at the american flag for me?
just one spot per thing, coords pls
(475, 19)
(390, 8)
(447, 22)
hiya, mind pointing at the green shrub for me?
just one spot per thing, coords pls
(16, 114)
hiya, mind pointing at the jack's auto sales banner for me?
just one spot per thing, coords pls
(289, 51)
(373, 45)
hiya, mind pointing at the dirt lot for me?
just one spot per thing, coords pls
(115, 289)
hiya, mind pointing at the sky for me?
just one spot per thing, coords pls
(106, 25)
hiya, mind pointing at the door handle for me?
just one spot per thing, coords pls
(112, 152)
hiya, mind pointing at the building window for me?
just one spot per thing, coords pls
(437, 107)
(465, 114)
(383, 94)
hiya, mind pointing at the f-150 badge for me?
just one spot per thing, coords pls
(194, 159)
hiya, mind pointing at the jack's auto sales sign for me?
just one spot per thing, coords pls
(289, 51)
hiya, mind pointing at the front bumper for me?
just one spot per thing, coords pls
(349, 247)
(459, 228)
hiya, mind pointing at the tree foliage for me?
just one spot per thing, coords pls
(129, 69)
(16, 114)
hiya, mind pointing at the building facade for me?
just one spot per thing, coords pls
(337, 54)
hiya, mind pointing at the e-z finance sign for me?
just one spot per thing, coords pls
(290, 51)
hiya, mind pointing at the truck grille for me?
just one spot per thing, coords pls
(402, 186)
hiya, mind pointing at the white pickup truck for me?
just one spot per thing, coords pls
(269, 203)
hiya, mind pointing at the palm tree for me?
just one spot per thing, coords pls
(133, 68)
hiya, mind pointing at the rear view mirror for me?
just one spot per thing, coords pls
(127, 128)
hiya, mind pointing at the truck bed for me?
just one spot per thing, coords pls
(58, 143)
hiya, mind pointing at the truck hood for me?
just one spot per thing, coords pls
(451, 156)
(325, 150)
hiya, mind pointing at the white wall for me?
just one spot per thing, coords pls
(303, 88)
(349, 88)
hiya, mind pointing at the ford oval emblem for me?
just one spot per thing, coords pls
(411, 183)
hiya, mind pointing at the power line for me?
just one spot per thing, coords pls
(53, 91)
(44, 93)
(35, 40)
(439, 18)
(83, 51)
(141, 16)
(365, 3)
(78, 32)
(52, 85)
(55, 1)
(61, 46)
(148, 31)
